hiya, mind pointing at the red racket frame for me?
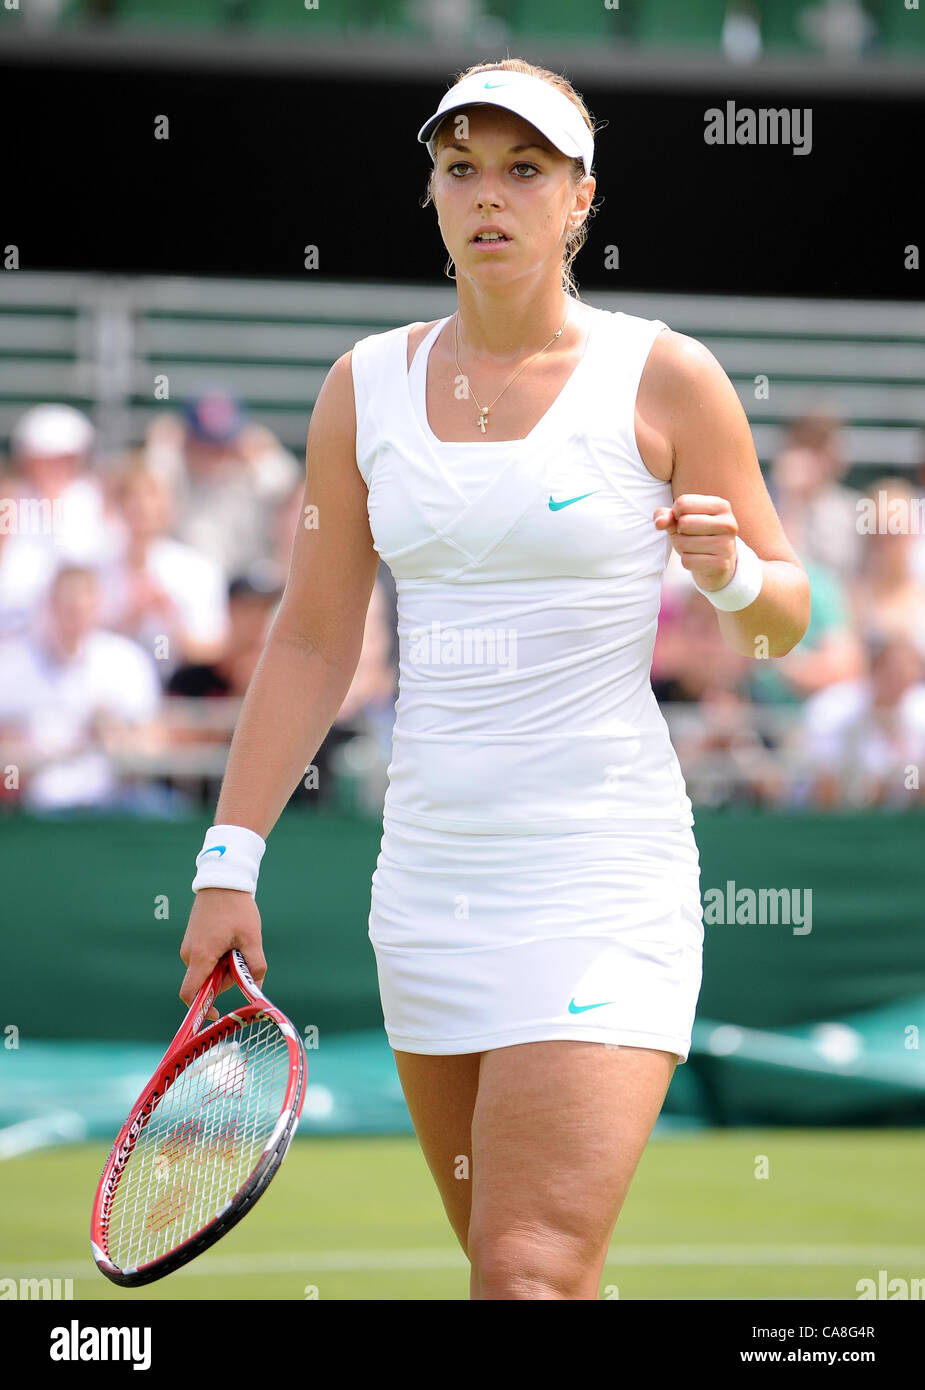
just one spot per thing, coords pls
(188, 1043)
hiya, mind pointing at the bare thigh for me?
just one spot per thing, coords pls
(557, 1133)
(440, 1093)
(533, 1149)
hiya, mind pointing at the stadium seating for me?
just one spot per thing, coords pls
(99, 343)
(651, 25)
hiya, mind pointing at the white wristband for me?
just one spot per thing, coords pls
(745, 584)
(230, 858)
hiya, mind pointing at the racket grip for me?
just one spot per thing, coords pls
(243, 977)
(201, 1005)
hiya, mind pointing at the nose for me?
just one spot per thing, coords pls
(487, 193)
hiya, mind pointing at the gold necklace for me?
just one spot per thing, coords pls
(484, 409)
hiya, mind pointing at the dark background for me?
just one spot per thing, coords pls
(259, 164)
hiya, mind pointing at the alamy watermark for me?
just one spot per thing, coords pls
(34, 516)
(768, 125)
(437, 645)
(77, 1342)
(747, 907)
(28, 1290)
(890, 516)
(885, 1287)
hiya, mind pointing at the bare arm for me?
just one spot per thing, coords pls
(314, 643)
(304, 672)
(719, 493)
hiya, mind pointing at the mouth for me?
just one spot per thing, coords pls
(490, 241)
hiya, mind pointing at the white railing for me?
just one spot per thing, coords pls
(728, 754)
(103, 341)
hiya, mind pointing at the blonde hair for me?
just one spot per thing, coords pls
(577, 236)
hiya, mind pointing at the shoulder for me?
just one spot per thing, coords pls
(374, 344)
(339, 384)
(686, 401)
(335, 407)
(334, 430)
(683, 367)
(670, 387)
(417, 332)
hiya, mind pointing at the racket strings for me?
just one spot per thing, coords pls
(202, 1140)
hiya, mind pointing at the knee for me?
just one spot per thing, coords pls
(538, 1264)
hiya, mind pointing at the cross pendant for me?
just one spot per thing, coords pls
(483, 416)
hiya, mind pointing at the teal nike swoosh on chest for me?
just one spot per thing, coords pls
(557, 506)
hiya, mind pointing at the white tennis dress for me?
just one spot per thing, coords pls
(538, 876)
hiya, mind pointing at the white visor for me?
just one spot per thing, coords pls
(529, 97)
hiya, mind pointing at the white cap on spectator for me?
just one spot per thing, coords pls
(49, 430)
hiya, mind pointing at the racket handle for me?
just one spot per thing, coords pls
(201, 1004)
(244, 979)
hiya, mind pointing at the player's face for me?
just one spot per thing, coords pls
(493, 167)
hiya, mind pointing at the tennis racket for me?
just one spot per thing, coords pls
(204, 1138)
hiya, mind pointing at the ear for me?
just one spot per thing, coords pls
(584, 197)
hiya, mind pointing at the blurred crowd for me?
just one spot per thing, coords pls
(136, 594)
(840, 720)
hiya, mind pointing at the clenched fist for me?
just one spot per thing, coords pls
(703, 531)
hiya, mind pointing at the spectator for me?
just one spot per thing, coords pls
(918, 555)
(72, 696)
(830, 650)
(691, 657)
(888, 596)
(252, 600)
(367, 712)
(864, 739)
(805, 482)
(53, 509)
(157, 590)
(23, 568)
(722, 754)
(213, 690)
(228, 476)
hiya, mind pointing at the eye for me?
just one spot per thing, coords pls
(524, 171)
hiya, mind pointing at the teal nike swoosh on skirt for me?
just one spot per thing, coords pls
(574, 1008)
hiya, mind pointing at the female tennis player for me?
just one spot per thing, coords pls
(524, 466)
